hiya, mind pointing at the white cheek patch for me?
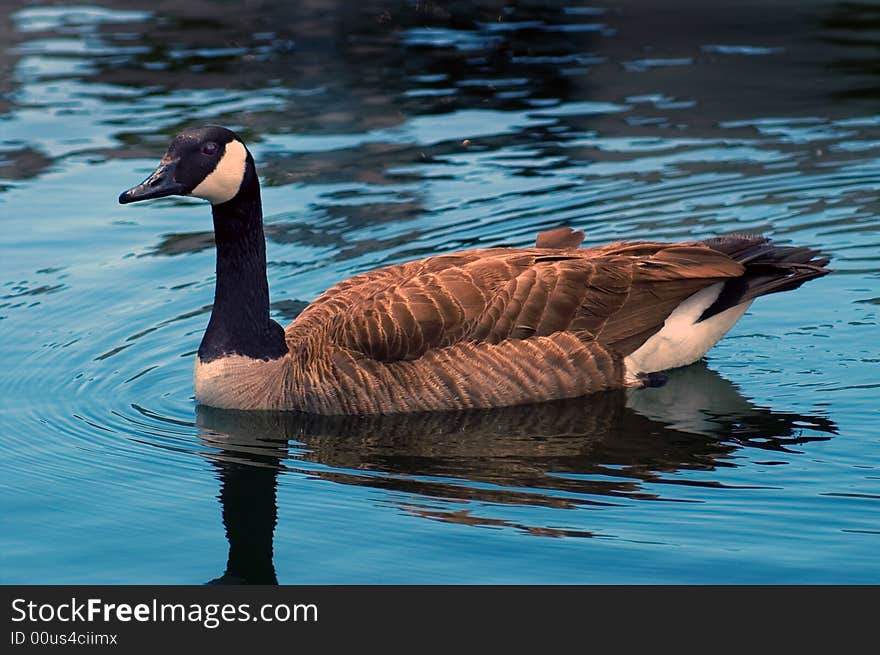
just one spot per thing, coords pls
(223, 182)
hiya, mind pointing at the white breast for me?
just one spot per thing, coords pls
(681, 340)
(238, 382)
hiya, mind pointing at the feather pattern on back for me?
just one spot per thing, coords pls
(491, 327)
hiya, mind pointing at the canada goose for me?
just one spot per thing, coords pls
(473, 329)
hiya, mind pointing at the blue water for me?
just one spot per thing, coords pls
(389, 131)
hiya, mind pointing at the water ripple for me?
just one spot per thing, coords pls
(384, 139)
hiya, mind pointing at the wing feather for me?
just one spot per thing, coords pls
(616, 295)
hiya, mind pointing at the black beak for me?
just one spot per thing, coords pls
(160, 184)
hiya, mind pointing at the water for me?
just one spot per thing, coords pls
(385, 132)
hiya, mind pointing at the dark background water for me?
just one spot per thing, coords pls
(385, 131)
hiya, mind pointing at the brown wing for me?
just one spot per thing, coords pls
(615, 295)
(661, 281)
(560, 237)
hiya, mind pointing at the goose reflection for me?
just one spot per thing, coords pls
(561, 454)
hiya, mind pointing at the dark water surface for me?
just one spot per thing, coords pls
(387, 131)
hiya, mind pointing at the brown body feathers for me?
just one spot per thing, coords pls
(506, 326)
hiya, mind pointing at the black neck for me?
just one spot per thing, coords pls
(240, 323)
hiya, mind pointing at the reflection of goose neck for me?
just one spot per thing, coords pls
(248, 499)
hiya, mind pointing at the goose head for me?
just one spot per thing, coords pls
(207, 162)
(212, 163)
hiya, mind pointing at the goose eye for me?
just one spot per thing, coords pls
(209, 148)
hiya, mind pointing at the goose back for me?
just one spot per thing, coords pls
(491, 327)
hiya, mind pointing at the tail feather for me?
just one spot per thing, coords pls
(768, 269)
